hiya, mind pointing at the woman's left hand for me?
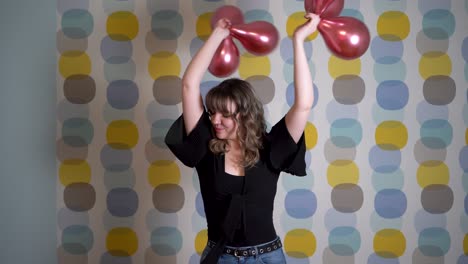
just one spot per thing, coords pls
(309, 27)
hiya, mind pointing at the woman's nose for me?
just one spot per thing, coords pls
(215, 118)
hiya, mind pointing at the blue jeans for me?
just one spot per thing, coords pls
(273, 257)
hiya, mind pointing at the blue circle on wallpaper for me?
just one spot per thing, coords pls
(352, 13)
(390, 203)
(300, 203)
(122, 94)
(438, 24)
(258, 15)
(346, 133)
(116, 159)
(421, 220)
(286, 50)
(464, 49)
(159, 130)
(386, 52)
(77, 132)
(463, 158)
(65, 5)
(205, 87)
(199, 205)
(77, 23)
(436, 133)
(434, 242)
(392, 95)
(392, 180)
(426, 111)
(77, 239)
(463, 259)
(122, 202)
(167, 24)
(107, 258)
(344, 241)
(334, 219)
(290, 95)
(381, 6)
(116, 52)
(425, 6)
(166, 241)
(384, 161)
(466, 204)
(394, 71)
(376, 259)
(335, 111)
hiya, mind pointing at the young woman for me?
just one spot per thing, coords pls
(238, 163)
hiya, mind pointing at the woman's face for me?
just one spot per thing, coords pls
(224, 124)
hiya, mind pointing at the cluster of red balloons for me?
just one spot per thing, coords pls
(346, 37)
(258, 38)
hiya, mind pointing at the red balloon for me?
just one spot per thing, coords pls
(346, 37)
(232, 13)
(225, 60)
(258, 37)
(324, 8)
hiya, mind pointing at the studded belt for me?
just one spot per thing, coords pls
(250, 251)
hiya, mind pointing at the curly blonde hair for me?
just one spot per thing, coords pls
(251, 120)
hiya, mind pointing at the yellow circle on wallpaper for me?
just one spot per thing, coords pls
(163, 172)
(122, 26)
(122, 242)
(164, 63)
(300, 243)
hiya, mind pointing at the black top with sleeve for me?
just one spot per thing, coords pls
(253, 208)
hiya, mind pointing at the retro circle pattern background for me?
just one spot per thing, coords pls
(387, 139)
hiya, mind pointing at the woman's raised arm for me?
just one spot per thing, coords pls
(296, 118)
(192, 104)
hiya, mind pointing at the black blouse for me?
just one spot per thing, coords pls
(253, 207)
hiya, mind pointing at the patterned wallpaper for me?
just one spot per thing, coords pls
(387, 139)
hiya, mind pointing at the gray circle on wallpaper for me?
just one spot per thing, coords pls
(64, 257)
(79, 89)
(419, 258)
(347, 198)
(439, 90)
(67, 110)
(153, 152)
(331, 258)
(64, 43)
(79, 197)
(333, 152)
(65, 152)
(437, 198)
(167, 90)
(349, 89)
(422, 153)
(154, 45)
(168, 198)
(424, 44)
(263, 86)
